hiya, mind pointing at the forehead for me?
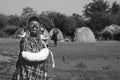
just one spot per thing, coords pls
(34, 22)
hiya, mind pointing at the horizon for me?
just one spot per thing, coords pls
(67, 7)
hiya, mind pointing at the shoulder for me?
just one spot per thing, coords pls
(20, 33)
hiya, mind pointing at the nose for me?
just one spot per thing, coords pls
(34, 28)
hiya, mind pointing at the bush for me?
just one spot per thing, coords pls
(3, 34)
(9, 30)
(3, 20)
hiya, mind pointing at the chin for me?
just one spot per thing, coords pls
(34, 34)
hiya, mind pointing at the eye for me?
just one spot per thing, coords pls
(31, 24)
(41, 25)
(37, 25)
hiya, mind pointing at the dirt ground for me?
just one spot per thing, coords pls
(74, 61)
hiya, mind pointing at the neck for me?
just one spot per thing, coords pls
(33, 34)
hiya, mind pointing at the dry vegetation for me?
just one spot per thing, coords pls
(74, 61)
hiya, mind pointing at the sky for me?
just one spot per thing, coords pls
(68, 7)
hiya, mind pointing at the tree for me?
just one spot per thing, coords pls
(58, 20)
(65, 23)
(9, 30)
(70, 26)
(97, 11)
(26, 14)
(96, 8)
(78, 19)
(27, 10)
(45, 20)
(114, 13)
(115, 9)
(14, 20)
(3, 20)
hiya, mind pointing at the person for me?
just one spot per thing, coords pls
(46, 35)
(31, 41)
(54, 36)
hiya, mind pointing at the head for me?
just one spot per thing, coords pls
(34, 26)
(42, 28)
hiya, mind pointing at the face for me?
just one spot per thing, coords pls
(42, 28)
(34, 27)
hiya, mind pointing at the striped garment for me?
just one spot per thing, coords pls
(26, 70)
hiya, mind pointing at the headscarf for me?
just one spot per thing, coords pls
(33, 20)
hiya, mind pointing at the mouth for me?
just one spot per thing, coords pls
(34, 31)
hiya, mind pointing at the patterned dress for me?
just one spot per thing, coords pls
(26, 70)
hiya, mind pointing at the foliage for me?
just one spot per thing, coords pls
(9, 30)
(65, 23)
(27, 10)
(115, 9)
(96, 8)
(46, 21)
(3, 34)
(115, 18)
(97, 11)
(114, 13)
(57, 18)
(101, 14)
(3, 20)
(26, 14)
(14, 20)
(78, 19)
(97, 15)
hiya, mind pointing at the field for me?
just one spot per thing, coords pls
(74, 61)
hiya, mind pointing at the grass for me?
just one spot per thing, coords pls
(74, 61)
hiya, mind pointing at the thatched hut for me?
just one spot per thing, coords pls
(84, 34)
(110, 32)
